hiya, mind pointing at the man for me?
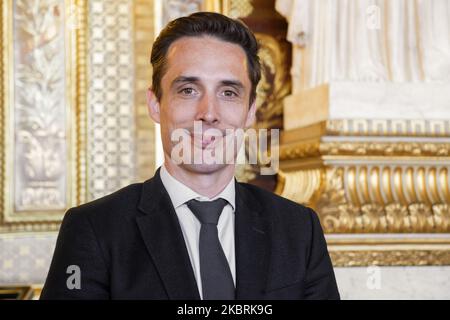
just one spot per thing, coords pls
(192, 231)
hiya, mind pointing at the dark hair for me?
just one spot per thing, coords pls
(210, 24)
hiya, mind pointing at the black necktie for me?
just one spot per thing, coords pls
(217, 281)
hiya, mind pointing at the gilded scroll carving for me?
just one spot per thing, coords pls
(238, 8)
(441, 216)
(397, 218)
(393, 218)
(273, 87)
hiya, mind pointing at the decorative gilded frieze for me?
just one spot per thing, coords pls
(361, 258)
(372, 183)
(378, 127)
(361, 200)
(389, 127)
(313, 148)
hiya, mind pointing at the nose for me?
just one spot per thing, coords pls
(207, 110)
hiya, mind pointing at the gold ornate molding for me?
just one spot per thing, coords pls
(299, 186)
(81, 101)
(382, 127)
(360, 258)
(393, 218)
(389, 249)
(301, 150)
(351, 201)
(374, 182)
(373, 148)
(145, 128)
(404, 183)
(3, 110)
(314, 148)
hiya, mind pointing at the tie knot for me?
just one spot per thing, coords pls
(207, 212)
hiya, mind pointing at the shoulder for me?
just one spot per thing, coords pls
(120, 199)
(274, 204)
(287, 218)
(120, 204)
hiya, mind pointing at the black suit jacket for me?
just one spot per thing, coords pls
(129, 245)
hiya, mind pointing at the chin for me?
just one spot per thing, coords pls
(204, 168)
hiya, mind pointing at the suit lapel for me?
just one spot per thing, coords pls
(164, 241)
(252, 246)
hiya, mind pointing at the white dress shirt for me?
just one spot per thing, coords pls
(190, 226)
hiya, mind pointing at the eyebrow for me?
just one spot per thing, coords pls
(232, 83)
(183, 79)
(192, 79)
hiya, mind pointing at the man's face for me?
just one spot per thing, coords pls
(206, 81)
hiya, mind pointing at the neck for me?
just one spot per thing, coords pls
(206, 184)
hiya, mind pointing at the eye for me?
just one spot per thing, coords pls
(229, 93)
(187, 91)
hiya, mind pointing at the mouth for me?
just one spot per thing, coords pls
(204, 141)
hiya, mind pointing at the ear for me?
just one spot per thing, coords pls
(153, 106)
(251, 115)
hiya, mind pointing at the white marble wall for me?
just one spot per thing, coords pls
(392, 283)
(352, 100)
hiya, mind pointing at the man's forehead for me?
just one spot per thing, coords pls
(199, 57)
(187, 44)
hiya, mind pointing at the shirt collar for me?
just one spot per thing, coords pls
(180, 193)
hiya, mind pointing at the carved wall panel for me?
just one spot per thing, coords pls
(42, 61)
(40, 130)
